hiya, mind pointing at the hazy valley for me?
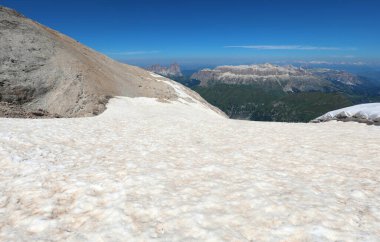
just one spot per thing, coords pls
(267, 92)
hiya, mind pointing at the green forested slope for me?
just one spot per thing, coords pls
(257, 102)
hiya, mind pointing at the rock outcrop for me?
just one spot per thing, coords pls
(173, 70)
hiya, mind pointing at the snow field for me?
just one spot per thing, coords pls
(147, 170)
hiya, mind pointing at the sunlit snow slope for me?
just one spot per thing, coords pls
(146, 170)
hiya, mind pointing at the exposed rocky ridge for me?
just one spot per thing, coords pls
(290, 78)
(18, 111)
(173, 70)
(44, 70)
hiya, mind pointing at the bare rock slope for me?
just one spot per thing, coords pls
(45, 73)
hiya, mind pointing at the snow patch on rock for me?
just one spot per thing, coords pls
(364, 113)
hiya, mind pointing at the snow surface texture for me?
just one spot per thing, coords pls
(148, 170)
(364, 113)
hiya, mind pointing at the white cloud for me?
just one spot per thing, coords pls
(286, 47)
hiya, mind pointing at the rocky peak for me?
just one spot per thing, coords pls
(172, 70)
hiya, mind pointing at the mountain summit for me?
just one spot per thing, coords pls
(44, 73)
(173, 70)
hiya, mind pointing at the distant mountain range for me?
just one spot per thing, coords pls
(173, 70)
(282, 93)
(288, 78)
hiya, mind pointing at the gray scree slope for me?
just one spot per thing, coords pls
(45, 73)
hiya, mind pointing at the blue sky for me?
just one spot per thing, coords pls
(216, 32)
